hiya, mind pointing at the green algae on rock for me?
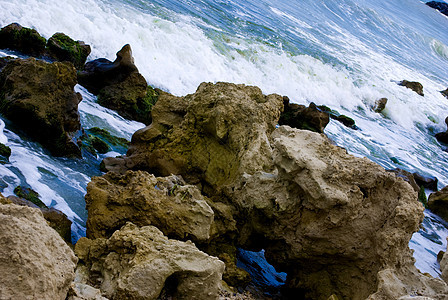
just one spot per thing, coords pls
(64, 48)
(22, 39)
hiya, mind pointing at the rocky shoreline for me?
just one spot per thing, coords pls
(222, 169)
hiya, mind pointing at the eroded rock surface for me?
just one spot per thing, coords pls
(136, 263)
(64, 48)
(179, 210)
(211, 136)
(39, 97)
(332, 221)
(35, 262)
(326, 216)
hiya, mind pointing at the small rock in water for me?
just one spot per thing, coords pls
(445, 92)
(380, 105)
(30, 195)
(440, 6)
(413, 85)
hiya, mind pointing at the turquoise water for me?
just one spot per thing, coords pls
(344, 54)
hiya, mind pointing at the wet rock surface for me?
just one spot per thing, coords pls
(120, 86)
(413, 85)
(39, 98)
(22, 39)
(302, 117)
(63, 48)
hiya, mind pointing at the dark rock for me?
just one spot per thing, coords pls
(413, 85)
(100, 145)
(100, 73)
(120, 86)
(428, 182)
(56, 219)
(5, 151)
(445, 93)
(99, 140)
(302, 117)
(335, 115)
(407, 176)
(22, 39)
(30, 195)
(440, 6)
(438, 203)
(442, 137)
(39, 97)
(4, 61)
(380, 105)
(63, 48)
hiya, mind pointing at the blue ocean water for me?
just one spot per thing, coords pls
(344, 54)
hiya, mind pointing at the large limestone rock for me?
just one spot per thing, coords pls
(120, 86)
(330, 220)
(39, 98)
(136, 263)
(35, 263)
(210, 137)
(179, 210)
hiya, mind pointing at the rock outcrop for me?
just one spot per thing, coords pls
(120, 86)
(413, 85)
(137, 263)
(330, 220)
(211, 137)
(177, 209)
(39, 98)
(34, 260)
(55, 218)
(302, 117)
(440, 6)
(22, 39)
(63, 48)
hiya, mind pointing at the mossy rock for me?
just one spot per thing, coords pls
(422, 196)
(63, 48)
(30, 195)
(5, 151)
(100, 145)
(106, 136)
(25, 40)
(101, 141)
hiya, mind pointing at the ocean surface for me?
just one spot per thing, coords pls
(344, 54)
